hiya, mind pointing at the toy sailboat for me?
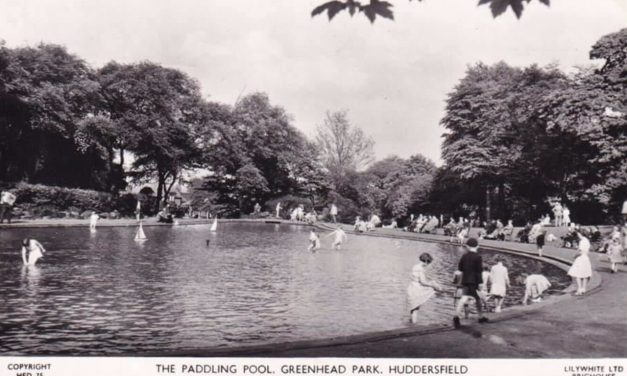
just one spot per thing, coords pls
(140, 236)
(214, 225)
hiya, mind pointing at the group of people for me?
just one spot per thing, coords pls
(472, 279)
(561, 214)
(495, 230)
(369, 225)
(339, 237)
(423, 224)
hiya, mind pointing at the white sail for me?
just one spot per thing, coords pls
(140, 236)
(214, 225)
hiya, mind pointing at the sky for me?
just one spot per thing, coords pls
(391, 76)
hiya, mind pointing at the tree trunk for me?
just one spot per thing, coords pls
(488, 208)
(160, 186)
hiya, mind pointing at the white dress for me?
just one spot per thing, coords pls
(582, 268)
(417, 293)
(499, 278)
(34, 253)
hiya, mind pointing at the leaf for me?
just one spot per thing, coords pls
(353, 6)
(518, 7)
(332, 8)
(378, 8)
(499, 7)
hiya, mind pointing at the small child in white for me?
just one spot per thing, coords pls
(340, 237)
(32, 250)
(499, 278)
(314, 241)
(535, 285)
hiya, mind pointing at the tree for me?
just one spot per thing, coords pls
(157, 112)
(593, 110)
(378, 8)
(343, 148)
(256, 134)
(408, 187)
(46, 92)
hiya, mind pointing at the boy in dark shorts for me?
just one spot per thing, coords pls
(471, 267)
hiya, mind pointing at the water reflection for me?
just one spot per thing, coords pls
(104, 293)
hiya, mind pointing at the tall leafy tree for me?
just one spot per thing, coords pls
(46, 92)
(157, 112)
(344, 148)
(259, 136)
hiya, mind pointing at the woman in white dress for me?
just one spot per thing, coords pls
(581, 269)
(420, 289)
(32, 250)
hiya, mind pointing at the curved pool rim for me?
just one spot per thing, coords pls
(512, 312)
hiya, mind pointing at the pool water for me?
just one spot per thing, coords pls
(102, 293)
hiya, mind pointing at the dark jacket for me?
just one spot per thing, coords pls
(471, 266)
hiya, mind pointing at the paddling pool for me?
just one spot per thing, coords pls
(102, 293)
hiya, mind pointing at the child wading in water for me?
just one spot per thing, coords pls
(420, 289)
(314, 241)
(32, 250)
(340, 237)
(499, 279)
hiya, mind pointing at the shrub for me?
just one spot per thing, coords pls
(45, 200)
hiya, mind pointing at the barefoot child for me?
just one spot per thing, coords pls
(535, 285)
(420, 289)
(499, 278)
(32, 250)
(314, 241)
(340, 237)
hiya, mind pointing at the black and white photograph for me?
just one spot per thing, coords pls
(437, 182)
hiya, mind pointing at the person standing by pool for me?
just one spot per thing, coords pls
(565, 216)
(333, 212)
(340, 237)
(499, 278)
(32, 250)
(93, 220)
(420, 289)
(278, 209)
(615, 253)
(581, 269)
(314, 241)
(557, 214)
(471, 267)
(540, 238)
(7, 199)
